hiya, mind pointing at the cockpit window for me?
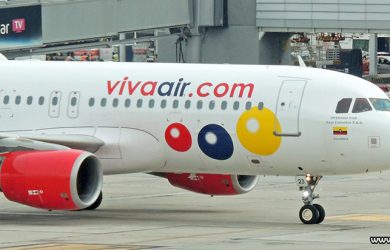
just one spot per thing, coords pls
(361, 105)
(343, 105)
(380, 104)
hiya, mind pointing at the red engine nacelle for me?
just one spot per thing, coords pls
(213, 184)
(61, 180)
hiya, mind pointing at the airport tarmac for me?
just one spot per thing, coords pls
(144, 212)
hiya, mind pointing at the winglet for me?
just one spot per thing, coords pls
(3, 58)
(301, 62)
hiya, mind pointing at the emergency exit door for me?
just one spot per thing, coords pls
(288, 107)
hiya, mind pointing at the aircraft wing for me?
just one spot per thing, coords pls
(12, 142)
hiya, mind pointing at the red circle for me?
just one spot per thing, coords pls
(183, 141)
(190, 94)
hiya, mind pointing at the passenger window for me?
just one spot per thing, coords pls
(211, 105)
(127, 103)
(151, 104)
(248, 105)
(199, 105)
(6, 100)
(260, 106)
(18, 100)
(236, 105)
(73, 101)
(115, 102)
(41, 100)
(103, 102)
(54, 101)
(29, 100)
(187, 104)
(139, 103)
(163, 104)
(224, 105)
(361, 105)
(91, 102)
(175, 104)
(343, 106)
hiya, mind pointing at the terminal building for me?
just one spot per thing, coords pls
(192, 31)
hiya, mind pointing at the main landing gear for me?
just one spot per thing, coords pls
(310, 213)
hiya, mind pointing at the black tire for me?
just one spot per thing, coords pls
(321, 212)
(97, 203)
(308, 214)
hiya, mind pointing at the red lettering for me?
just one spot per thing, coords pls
(150, 92)
(242, 87)
(224, 91)
(131, 88)
(111, 88)
(199, 90)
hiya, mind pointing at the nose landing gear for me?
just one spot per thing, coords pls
(310, 213)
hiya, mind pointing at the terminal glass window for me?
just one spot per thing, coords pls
(380, 104)
(361, 105)
(343, 106)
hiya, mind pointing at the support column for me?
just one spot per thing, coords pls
(373, 50)
(122, 48)
(193, 49)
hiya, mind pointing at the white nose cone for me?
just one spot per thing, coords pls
(3, 58)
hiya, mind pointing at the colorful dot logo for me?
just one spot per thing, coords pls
(178, 137)
(215, 142)
(255, 130)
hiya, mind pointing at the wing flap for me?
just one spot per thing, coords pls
(11, 142)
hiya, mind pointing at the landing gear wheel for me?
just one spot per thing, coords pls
(97, 203)
(321, 212)
(309, 214)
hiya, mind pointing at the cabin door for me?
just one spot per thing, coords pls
(288, 107)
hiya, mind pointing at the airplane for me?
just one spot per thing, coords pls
(210, 129)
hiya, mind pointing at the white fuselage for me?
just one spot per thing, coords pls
(131, 106)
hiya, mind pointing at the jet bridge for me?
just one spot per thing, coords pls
(68, 21)
(357, 16)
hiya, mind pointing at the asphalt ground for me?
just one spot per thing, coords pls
(144, 212)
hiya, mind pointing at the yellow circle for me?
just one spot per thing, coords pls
(255, 130)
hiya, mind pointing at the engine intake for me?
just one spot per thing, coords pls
(58, 180)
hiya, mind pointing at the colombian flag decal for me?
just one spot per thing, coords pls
(340, 131)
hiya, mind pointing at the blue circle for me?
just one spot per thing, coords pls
(222, 149)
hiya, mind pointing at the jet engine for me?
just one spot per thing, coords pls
(214, 184)
(54, 180)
